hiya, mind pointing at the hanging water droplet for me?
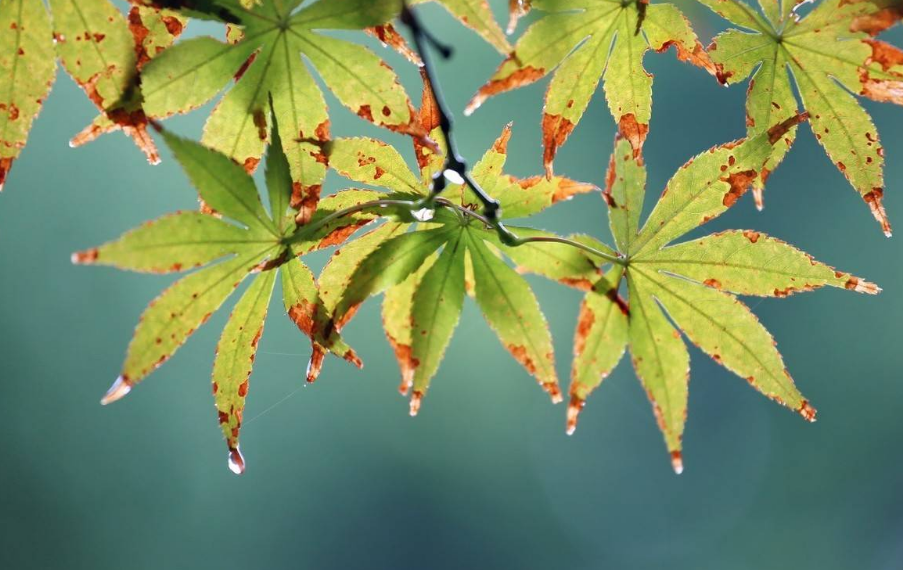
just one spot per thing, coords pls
(416, 398)
(423, 214)
(236, 461)
(453, 177)
(677, 462)
(574, 408)
(120, 388)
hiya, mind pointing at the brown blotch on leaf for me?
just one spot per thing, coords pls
(519, 78)
(244, 66)
(875, 202)
(874, 24)
(389, 37)
(243, 389)
(575, 406)
(751, 235)
(778, 131)
(303, 314)
(555, 131)
(713, 283)
(634, 131)
(584, 325)
(861, 286)
(305, 200)
(520, 354)
(406, 363)
(739, 183)
(695, 55)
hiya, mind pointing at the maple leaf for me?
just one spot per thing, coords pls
(584, 41)
(831, 55)
(476, 15)
(425, 264)
(264, 56)
(692, 284)
(220, 255)
(96, 46)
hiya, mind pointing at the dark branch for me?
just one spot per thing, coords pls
(455, 165)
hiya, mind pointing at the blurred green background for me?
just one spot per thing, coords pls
(340, 477)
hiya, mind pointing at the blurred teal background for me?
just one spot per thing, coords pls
(340, 477)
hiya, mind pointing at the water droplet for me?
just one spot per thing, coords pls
(807, 411)
(677, 462)
(416, 398)
(574, 408)
(236, 461)
(453, 177)
(423, 214)
(120, 388)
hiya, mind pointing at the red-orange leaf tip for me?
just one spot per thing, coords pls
(574, 408)
(416, 399)
(677, 462)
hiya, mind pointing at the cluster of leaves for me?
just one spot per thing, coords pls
(435, 236)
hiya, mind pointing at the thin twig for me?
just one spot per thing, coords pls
(455, 166)
(313, 228)
(537, 239)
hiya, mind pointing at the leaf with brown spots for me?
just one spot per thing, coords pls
(694, 284)
(28, 65)
(235, 355)
(584, 41)
(263, 246)
(830, 57)
(97, 48)
(267, 62)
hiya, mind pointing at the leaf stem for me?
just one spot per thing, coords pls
(519, 241)
(455, 167)
(311, 229)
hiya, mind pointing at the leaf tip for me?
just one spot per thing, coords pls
(236, 461)
(862, 286)
(575, 406)
(554, 392)
(677, 462)
(119, 390)
(807, 411)
(315, 364)
(416, 399)
(85, 257)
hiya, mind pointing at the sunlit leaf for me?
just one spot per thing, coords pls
(692, 284)
(584, 41)
(235, 355)
(830, 56)
(266, 61)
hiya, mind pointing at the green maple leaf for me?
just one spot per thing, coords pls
(692, 284)
(584, 41)
(831, 56)
(96, 46)
(220, 254)
(264, 55)
(425, 265)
